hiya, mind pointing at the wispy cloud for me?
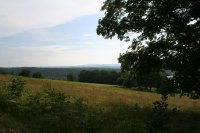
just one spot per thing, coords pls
(54, 49)
(88, 35)
(22, 15)
(43, 35)
(54, 32)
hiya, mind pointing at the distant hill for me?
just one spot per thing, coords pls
(60, 72)
(112, 66)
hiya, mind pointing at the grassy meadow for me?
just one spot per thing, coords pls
(97, 108)
(106, 95)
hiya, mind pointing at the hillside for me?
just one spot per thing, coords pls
(63, 106)
(106, 95)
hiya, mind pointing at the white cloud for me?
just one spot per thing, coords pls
(105, 52)
(88, 35)
(21, 15)
(52, 49)
(61, 45)
(46, 36)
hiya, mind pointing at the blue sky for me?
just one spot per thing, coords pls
(54, 33)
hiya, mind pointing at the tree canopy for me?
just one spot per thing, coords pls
(37, 75)
(165, 35)
(71, 77)
(99, 76)
(25, 73)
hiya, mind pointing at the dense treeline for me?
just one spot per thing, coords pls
(99, 76)
(147, 82)
(2, 72)
(107, 76)
(53, 73)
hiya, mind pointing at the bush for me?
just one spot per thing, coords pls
(160, 115)
(52, 111)
(16, 87)
(25, 73)
(3, 97)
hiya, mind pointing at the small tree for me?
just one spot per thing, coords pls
(25, 73)
(71, 77)
(37, 75)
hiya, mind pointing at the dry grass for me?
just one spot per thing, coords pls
(8, 124)
(107, 95)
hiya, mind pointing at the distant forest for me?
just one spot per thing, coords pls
(95, 75)
(55, 73)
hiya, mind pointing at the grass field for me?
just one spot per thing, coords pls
(100, 95)
(92, 108)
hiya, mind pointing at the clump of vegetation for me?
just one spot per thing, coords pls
(71, 77)
(16, 87)
(37, 75)
(160, 115)
(3, 72)
(25, 73)
(99, 76)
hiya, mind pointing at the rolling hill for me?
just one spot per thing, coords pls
(106, 95)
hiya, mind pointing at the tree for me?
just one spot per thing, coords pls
(37, 75)
(25, 73)
(99, 76)
(2, 72)
(167, 38)
(71, 77)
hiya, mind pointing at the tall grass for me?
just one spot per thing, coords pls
(107, 95)
(46, 109)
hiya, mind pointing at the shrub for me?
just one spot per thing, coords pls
(160, 115)
(25, 73)
(16, 87)
(3, 97)
(53, 100)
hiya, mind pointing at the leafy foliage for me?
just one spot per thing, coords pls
(37, 75)
(2, 71)
(54, 73)
(3, 97)
(71, 77)
(16, 87)
(99, 76)
(166, 35)
(25, 73)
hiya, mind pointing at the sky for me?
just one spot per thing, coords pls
(54, 33)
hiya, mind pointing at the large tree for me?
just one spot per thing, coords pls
(165, 35)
